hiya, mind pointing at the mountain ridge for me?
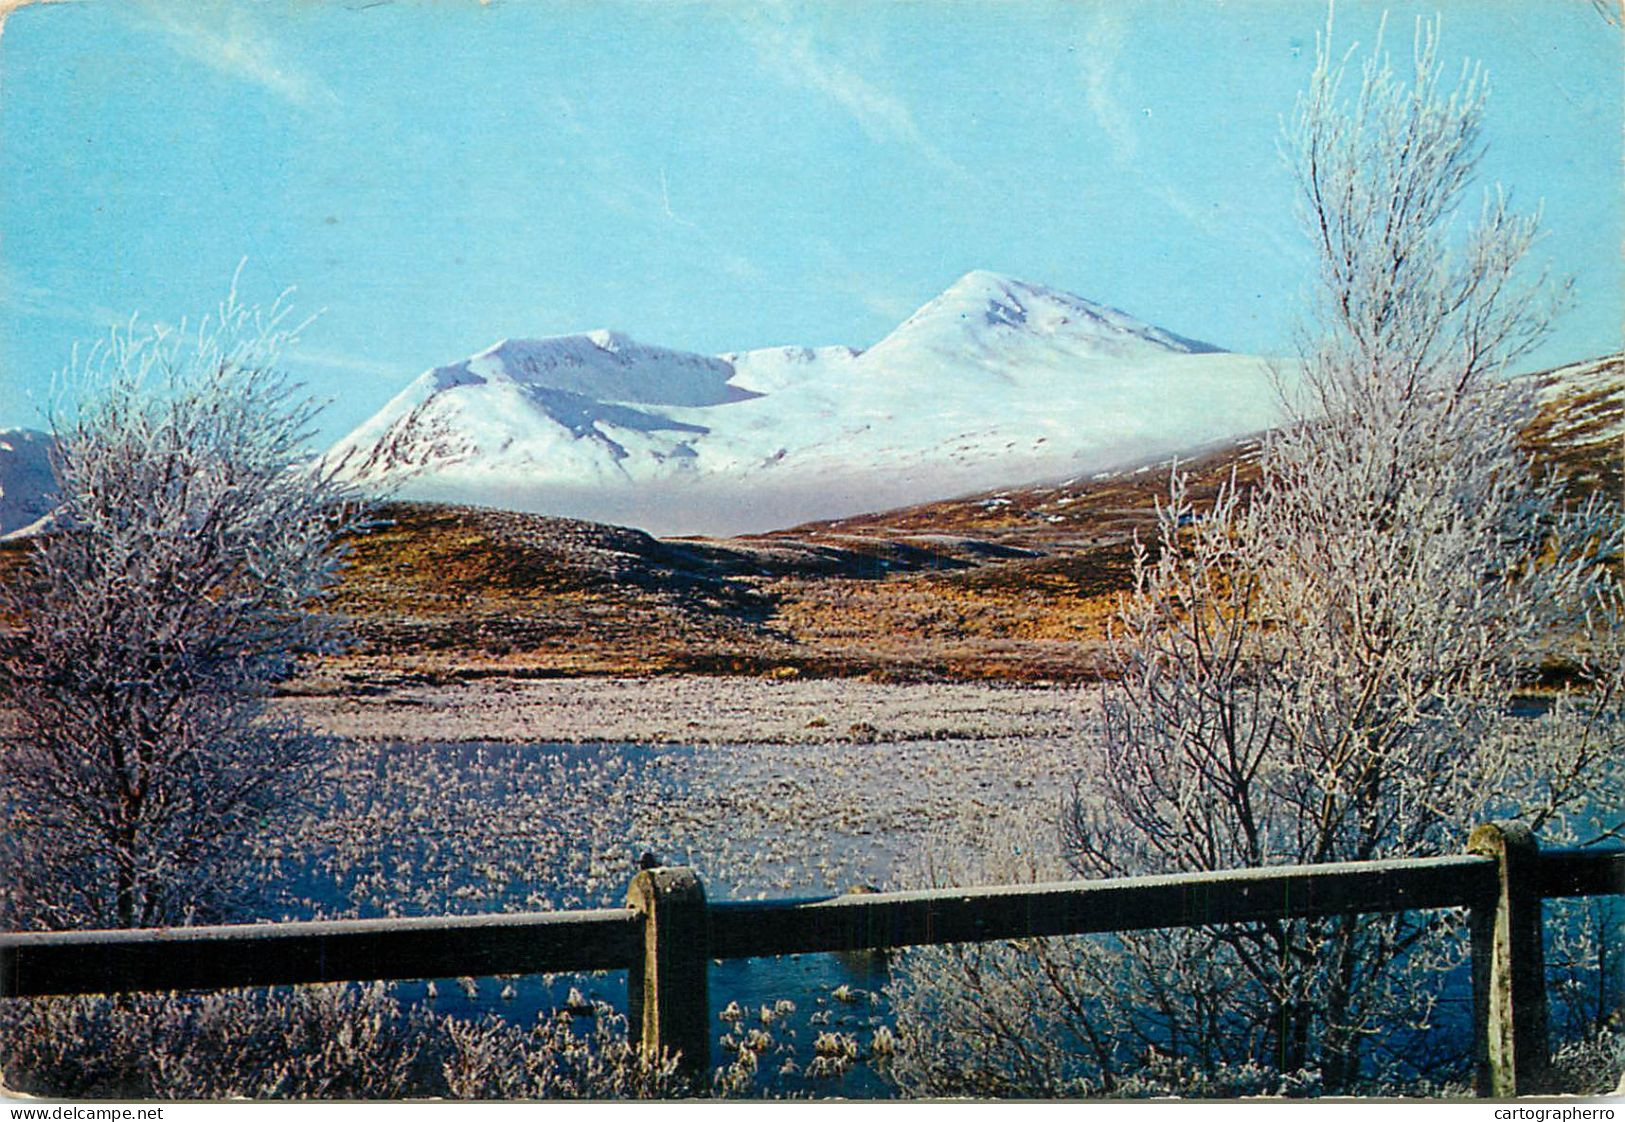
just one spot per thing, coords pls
(1013, 583)
(993, 381)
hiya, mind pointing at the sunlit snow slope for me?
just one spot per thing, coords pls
(994, 382)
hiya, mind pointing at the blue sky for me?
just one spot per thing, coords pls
(433, 177)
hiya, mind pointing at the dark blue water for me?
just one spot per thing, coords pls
(442, 829)
(808, 981)
(417, 828)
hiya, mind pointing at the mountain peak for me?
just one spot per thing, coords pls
(994, 381)
(983, 304)
(999, 300)
(581, 346)
(612, 341)
(982, 279)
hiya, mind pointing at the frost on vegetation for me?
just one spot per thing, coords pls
(769, 1061)
(1324, 666)
(1594, 1065)
(834, 1053)
(481, 828)
(174, 584)
(407, 829)
(555, 1060)
(316, 1042)
(1004, 1019)
(756, 1060)
(476, 828)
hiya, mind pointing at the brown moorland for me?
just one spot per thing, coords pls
(1016, 584)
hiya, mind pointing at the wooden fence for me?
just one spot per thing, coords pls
(668, 933)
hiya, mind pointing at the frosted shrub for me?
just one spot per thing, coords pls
(1322, 667)
(316, 1042)
(1323, 670)
(555, 1059)
(1004, 1019)
(1065, 1017)
(1591, 1066)
(312, 1042)
(174, 584)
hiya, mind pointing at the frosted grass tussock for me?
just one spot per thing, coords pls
(463, 828)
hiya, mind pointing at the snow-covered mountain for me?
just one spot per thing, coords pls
(994, 382)
(27, 487)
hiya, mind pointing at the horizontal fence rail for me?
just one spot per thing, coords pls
(669, 933)
(274, 954)
(746, 929)
(1564, 873)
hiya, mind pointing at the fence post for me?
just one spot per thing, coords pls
(667, 988)
(1509, 967)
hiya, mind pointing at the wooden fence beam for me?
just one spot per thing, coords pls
(668, 933)
(668, 998)
(966, 915)
(1509, 966)
(1581, 872)
(273, 954)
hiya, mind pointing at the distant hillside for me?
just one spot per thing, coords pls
(1580, 429)
(1011, 583)
(1008, 583)
(994, 382)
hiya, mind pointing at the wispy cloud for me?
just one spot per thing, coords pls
(791, 53)
(26, 299)
(665, 203)
(1120, 122)
(880, 295)
(228, 40)
(344, 363)
(611, 175)
(1103, 48)
(621, 185)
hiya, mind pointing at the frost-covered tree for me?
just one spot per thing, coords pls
(1321, 667)
(175, 582)
(1324, 669)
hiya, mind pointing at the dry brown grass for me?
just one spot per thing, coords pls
(1011, 584)
(1014, 584)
